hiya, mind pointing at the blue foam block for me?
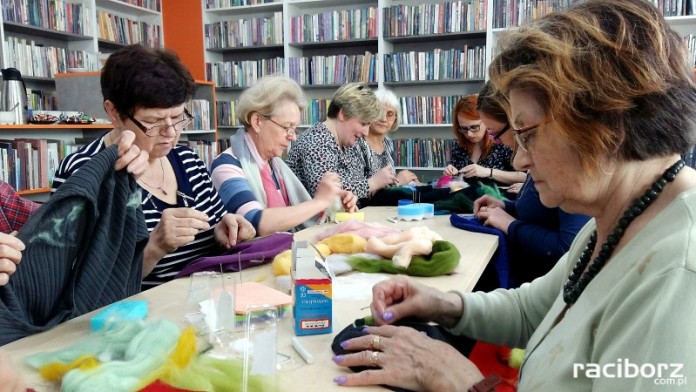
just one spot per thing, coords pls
(124, 310)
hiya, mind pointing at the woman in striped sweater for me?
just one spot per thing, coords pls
(145, 90)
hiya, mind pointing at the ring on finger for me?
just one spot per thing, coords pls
(374, 358)
(375, 342)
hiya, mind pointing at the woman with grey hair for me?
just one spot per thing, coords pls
(330, 146)
(376, 147)
(251, 178)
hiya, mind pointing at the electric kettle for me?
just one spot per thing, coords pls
(14, 94)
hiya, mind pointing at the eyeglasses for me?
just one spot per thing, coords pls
(522, 139)
(500, 133)
(289, 131)
(390, 114)
(159, 128)
(471, 128)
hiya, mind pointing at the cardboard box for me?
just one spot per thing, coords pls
(311, 291)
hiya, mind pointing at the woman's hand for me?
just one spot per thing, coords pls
(328, 188)
(405, 358)
(475, 170)
(515, 188)
(495, 217)
(177, 227)
(488, 202)
(11, 249)
(232, 229)
(349, 200)
(383, 178)
(450, 171)
(130, 156)
(10, 379)
(401, 297)
(405, 177)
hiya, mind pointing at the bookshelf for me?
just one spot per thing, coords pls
(42, 38)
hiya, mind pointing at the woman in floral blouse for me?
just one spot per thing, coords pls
(476, 156)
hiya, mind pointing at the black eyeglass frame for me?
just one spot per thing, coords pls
(187, 117)
(289, 131)
(500, 133)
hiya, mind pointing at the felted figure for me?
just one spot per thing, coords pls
(401, 247)
(443, 260)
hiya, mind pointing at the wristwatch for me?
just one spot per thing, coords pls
(486, 385)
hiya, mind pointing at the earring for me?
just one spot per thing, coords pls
(608, 173)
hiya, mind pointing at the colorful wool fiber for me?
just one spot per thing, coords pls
(443, 260)
(345, 243)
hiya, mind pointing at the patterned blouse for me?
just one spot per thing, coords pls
(374, 160)
(499, 158)
(316, 152)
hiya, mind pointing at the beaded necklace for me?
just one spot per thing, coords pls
(577, 281)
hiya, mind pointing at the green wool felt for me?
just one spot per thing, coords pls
(463, 201)
(443, 260)
(212, 374)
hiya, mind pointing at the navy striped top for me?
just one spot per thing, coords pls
(194, 190)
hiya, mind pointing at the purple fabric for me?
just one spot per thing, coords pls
(249, 254)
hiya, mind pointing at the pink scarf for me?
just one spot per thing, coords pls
(274, 197)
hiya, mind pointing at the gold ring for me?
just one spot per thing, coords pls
(373, 358)
(376, 340)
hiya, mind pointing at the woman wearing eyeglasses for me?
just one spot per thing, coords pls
(537, 236)
(475, 156)
(250, 176)
(145, 91)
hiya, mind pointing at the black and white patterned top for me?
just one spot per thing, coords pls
(374, 160)
(316, 152)
(499, 158)
(195, 190)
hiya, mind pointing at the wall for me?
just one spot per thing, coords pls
(183, 33)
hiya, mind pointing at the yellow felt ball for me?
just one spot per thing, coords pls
(516, 358)
(345, 243)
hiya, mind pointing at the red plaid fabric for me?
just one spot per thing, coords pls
(14, 210)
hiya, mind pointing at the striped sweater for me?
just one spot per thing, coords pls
(194, 190)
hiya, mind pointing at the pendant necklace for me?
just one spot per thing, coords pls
(582, 275)
(162, 184)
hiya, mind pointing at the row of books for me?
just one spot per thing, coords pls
(213, 4)
(675, 7)
(242, 73)
(61, 15)
(447, 17)
(45, 61)
(511, 13)
(31, 163)
(127, 31)
(417, 152)
(690, 41)
(438, 64)
(360, 23)
(237, 33)
(207, 150)
(154, 5)
(340, 69)
(315, 112)
(40, 100)
(200, 110)
(427, 110)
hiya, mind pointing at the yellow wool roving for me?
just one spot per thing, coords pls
(345, 243)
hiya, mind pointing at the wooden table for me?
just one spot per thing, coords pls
(166, 301)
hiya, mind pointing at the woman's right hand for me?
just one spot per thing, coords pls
(11, 249)
(177, 227)
(401, 297)
(383, 178)
(487, 202)
(328, 188)
(451, 171)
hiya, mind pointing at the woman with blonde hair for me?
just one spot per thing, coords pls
(250, 176)
(330, 146)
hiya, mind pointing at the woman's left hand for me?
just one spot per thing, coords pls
(130, 156)
(495, 217)
(350, 201)
(475, 170)
(405, 177)
(405, 358)
(233, 228)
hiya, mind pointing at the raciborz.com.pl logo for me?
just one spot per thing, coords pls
(660, 373)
